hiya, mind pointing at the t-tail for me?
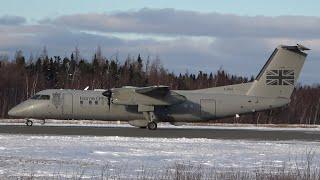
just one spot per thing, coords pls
(279, 75)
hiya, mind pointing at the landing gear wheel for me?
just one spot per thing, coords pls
(29, 123)
(152, 125)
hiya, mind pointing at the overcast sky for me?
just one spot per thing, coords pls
(187, 35)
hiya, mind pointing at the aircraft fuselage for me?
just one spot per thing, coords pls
(92, 105)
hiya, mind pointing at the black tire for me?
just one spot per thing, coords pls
(29, 123)
(152, 125)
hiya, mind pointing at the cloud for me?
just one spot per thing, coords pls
(12, 20)
(190, 23)
(192, 41)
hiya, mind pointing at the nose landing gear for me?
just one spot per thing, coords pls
(29, 122)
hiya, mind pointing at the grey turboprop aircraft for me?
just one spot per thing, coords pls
(144, 107)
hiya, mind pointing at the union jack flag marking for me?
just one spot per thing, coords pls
(280, 77)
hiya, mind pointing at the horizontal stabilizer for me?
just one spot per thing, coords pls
(298, 47)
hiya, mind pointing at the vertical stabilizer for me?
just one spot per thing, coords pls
(279, 75)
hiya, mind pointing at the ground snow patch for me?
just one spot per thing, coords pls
(67, 154)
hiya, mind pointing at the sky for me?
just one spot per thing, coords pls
(186, 35)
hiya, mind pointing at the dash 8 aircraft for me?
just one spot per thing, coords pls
(144, 107)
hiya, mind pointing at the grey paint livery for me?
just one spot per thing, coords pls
(145, 106)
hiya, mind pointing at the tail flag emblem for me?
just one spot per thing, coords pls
(280, 77)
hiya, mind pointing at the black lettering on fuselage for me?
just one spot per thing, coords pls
(98, 99)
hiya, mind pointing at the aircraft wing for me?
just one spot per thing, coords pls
(152, 95)
(154, 91)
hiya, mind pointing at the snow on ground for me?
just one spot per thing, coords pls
(24, 155)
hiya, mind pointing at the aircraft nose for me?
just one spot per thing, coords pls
(13, 112)
(22, 110)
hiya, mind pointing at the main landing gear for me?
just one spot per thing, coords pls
(152, 125)
(29, 122)
(152, 120)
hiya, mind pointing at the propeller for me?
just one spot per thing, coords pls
(108, 94)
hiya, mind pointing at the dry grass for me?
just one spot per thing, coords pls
(188, 171)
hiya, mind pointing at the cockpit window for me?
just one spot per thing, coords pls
(40, 97)
(35, 96)
(44, 97)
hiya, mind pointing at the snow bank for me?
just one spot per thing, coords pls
(21, 155)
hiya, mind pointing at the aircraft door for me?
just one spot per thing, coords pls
(67, 108)
(208, 108)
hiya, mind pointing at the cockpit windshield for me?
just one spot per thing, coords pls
(40, 97)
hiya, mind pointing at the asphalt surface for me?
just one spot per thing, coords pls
(249, 134)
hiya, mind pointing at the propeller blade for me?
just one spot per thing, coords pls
(108, 94)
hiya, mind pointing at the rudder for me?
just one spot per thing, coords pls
(279, 75)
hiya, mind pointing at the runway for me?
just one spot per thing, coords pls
(165, 132)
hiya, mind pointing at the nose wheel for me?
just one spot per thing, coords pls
(29, 123)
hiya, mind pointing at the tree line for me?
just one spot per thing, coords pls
(21, 78)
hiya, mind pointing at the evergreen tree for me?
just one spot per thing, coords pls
(19, 58)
